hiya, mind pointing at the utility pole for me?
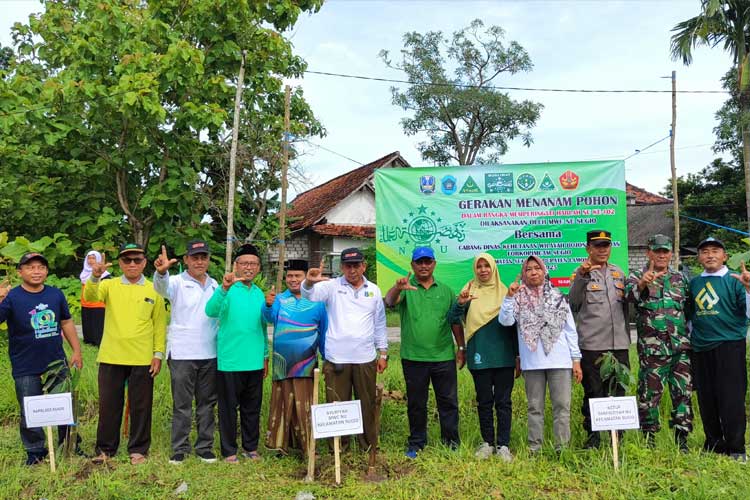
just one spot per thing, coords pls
(675, 199)
(284, 185)
(231, 188)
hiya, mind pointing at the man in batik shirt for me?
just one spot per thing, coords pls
(299, 326)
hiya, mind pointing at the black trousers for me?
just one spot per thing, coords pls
(243, 390)
(418, 375)
(720, 377)
(494, 387)
(593, 385)
(92, 324)
(112, 379)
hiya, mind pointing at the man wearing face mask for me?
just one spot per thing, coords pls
(597, 298)
(659, 295)
(242, 354)
(131, 352)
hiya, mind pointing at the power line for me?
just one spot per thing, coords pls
(639, 151)
(333, 152)
(528, 89)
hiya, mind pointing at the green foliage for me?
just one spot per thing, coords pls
(71, 288)
(114, 117)
(371, 273)
(466, 121)
(614, 372)
(57, 379)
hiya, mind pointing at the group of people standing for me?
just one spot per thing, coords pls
(217, 351)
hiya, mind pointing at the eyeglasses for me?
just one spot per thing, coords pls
(132, 260)
(247, 264)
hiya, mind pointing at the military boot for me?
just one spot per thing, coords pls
(680, 439)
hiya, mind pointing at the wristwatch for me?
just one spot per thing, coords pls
(461, 348)
(384, 355)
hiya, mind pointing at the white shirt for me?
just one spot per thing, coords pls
(356, 319)
(190, 334)
(563, 352)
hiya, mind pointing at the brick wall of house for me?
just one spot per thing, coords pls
(636, 258)
(296, 248)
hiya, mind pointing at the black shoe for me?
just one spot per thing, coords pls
(593, 441)
(34, 459)
(177, 458)
(207, 457)
(680, 439)
(650, 438)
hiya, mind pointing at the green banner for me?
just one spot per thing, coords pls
(508, 211)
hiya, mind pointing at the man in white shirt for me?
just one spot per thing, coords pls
(356, 330)
(191, 349)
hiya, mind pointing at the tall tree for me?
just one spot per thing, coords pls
(140, 94)
(451, 94)
(724, 22)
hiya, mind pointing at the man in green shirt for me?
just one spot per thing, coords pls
(241, 353)
(427, 352)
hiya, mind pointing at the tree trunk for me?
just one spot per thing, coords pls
(746, 164)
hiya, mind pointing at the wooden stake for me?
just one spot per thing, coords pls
(675, 200)
(233, 165)
(337, 458)
(51, 447)
(311, 440)
(615, 454)
(284, 186)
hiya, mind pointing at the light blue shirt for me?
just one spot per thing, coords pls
(563, 353)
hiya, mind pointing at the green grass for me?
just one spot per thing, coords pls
(436, 474)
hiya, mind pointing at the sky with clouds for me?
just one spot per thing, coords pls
(572, 44)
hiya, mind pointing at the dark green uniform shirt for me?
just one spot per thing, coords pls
(492, 346)
(425, 328)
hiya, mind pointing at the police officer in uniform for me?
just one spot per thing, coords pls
(597, 299)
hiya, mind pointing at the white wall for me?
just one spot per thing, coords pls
(357, 209)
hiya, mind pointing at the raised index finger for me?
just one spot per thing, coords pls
(742, 266)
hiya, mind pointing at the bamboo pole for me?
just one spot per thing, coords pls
(284, 186)
(675, 199)
(311, 438)
(233, 165)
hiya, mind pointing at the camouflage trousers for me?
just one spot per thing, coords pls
(656, 372)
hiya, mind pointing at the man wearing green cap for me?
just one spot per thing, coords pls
(658, 293)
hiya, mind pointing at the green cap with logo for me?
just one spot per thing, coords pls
(659, 242)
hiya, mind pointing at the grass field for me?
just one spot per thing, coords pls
(437, 473)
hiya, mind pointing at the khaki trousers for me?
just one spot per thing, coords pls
(340, 379)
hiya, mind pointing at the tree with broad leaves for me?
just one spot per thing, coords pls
(134, 100)
(451, 95)
(727, 23)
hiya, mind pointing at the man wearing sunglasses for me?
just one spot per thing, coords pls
(131, 352)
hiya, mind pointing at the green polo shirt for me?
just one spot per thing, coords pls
(425, 329)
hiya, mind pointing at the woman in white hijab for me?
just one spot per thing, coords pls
(92, 313)
(548, 349)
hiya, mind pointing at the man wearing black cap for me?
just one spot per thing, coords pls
(597, 298)
(38, 317)
(719, 312)
(659, 294)
(242, 354)
(191, 349)
(356, 330)
(299, 327)
(131, 352)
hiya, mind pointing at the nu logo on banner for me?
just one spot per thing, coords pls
(707, 298)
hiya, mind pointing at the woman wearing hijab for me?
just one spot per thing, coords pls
(548, 349)
(491, 350)
(92, 313)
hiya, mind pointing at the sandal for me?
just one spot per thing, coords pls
(137, 459)
(100, 459)
(252, 455)
(232, 459)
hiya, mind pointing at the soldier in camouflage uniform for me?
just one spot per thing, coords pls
(659, 295)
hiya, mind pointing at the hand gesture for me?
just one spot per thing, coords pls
(515, 286)
(744, 276)
(403, 283)
(98, 269)
(4, 289)
(465, 295)
(228, 281)
(315, 274)
(163, 262)
(271, 296)
(586, 267)
(650, 276)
